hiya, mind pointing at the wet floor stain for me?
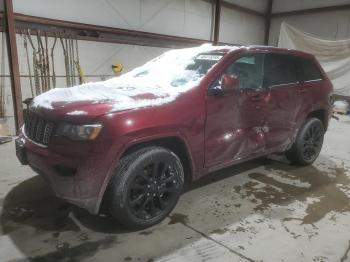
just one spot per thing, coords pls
(178, 218)
(324, 186)
(27, 213)
(65, 252)
(55, 234)
(31, 206)
(220, 231)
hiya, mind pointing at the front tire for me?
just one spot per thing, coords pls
(308, 143)
(146, 187)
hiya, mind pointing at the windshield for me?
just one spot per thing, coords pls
(177, 68)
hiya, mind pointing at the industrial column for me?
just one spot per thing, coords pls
(217, 21)
(268, 22)
(13, 62)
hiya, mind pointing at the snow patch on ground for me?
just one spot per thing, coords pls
(157, 82)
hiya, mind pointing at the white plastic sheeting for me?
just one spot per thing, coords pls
(334, 55)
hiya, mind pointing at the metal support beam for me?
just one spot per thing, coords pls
(268, 21)
(98, 33)
(13, 63)
(312, 11)
(217, 21)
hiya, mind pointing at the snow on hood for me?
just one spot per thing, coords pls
(157, 82)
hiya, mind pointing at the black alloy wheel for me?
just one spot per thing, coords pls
(308, 143)
(146, 187)
(312, 142)
(153, 190)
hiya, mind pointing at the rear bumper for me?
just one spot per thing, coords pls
(77, 180)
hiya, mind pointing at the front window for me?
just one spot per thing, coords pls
(249, 69)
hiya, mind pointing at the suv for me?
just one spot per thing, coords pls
(134, 140)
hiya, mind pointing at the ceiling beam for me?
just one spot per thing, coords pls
(98, 33)
(311, 11)
(95, 33)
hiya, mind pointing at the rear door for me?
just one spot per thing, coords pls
(282, 80)
(312, 89)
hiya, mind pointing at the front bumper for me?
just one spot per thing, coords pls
(76, 179)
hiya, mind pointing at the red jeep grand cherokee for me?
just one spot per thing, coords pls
(136, 138)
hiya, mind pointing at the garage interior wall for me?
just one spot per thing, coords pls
(183, 18)
(242, 28)
(332, 25)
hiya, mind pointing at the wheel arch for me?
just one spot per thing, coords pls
(174, 144)
(320, 114)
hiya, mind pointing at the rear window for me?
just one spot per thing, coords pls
(309, 71)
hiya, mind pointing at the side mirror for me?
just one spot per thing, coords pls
(229, 84)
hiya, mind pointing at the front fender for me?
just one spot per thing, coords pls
(134, 139)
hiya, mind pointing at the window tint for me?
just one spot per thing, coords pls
(249, 69)
(279, 69)
(309, 71)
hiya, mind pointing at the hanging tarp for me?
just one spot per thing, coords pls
(334, 55)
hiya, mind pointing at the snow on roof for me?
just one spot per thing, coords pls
(157, 82)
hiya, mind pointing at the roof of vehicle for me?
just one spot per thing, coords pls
(273, 49)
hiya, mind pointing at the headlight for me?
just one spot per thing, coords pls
(79, 132)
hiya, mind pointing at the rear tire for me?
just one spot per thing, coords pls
(146, 187)
(308, 143)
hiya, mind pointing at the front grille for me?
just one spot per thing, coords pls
(37, 128)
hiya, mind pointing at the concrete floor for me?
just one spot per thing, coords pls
(263, 210)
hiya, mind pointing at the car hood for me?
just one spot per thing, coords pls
(104, 97)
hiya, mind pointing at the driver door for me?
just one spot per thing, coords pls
(235, 122)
